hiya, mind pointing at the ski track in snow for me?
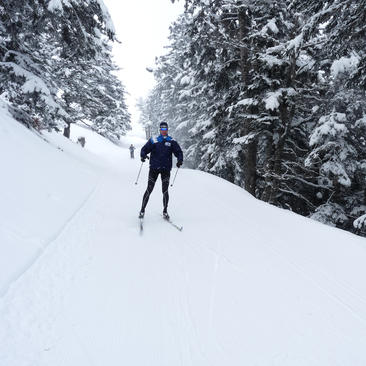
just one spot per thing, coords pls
(44, 286)
(48, 242)
(332, 285)
(229, 289)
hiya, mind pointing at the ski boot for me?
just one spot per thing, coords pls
(141, 214)
(166, 215)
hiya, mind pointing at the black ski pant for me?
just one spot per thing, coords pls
(153, 176)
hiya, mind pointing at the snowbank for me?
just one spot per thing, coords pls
(44, 180)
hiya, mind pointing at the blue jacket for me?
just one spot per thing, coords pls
(161, 149)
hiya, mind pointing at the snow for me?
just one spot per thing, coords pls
(330, 214)
(272, 60)
(209, 135)
(334, 168)
(360, 222)
(185, 80)
(271, 25)
(295, 43)
(185, 94)
(67, 72)
(34, 83)
(344, 64)
(244, 139)
(244, 283)
(329, 126)
(182, 125)
(271, 101)
(57, 5)
(219, 164)
(361, 122)
(107, 17)
(247, 101)
(33, 187)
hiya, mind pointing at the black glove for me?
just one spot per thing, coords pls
(143, 158)
(179, 164)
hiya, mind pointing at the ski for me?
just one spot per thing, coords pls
(141, 225)
(180, 228)
(141, 220)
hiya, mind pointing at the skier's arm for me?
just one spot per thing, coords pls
(177, 151)
(146, 149)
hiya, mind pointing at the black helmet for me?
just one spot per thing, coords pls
(163, 125)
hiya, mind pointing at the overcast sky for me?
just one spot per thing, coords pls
(143, 28)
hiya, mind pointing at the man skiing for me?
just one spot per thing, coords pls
(161, 149)
(132, 151)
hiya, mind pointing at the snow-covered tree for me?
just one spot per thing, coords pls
(231, 81)
(46, 43)
(270, 95)
(337, 144)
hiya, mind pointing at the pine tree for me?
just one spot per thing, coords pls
(240, 64)
(337, 142)
(270, 95)
(46, 49)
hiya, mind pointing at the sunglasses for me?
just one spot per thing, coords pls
(163, 129)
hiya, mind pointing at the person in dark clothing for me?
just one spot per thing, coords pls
(132, 151)
(161, 149)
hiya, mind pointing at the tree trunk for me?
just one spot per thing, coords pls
(276, 172)
(250, 155)
(250, 178)
(277, 163)
(244, 52)
(268, 168)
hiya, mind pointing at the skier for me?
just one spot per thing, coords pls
(132, 151)
(161, 149)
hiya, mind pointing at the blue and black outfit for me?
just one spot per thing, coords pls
(161, 149)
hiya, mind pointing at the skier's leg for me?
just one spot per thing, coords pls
(153, 175)
(165, 177)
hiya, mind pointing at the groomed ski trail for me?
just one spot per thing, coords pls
(243, 284)
(69, 289)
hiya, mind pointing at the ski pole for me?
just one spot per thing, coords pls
(138, 176)
(175, 176)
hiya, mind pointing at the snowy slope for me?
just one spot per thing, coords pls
(244, 283)
(41, 189)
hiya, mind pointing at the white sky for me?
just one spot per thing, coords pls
(143, 28)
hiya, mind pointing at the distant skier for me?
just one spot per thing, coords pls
(161, 149)
(132, 151)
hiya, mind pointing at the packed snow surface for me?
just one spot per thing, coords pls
(244, 283)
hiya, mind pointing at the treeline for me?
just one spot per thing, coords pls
(270, 95)
(56, 67)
